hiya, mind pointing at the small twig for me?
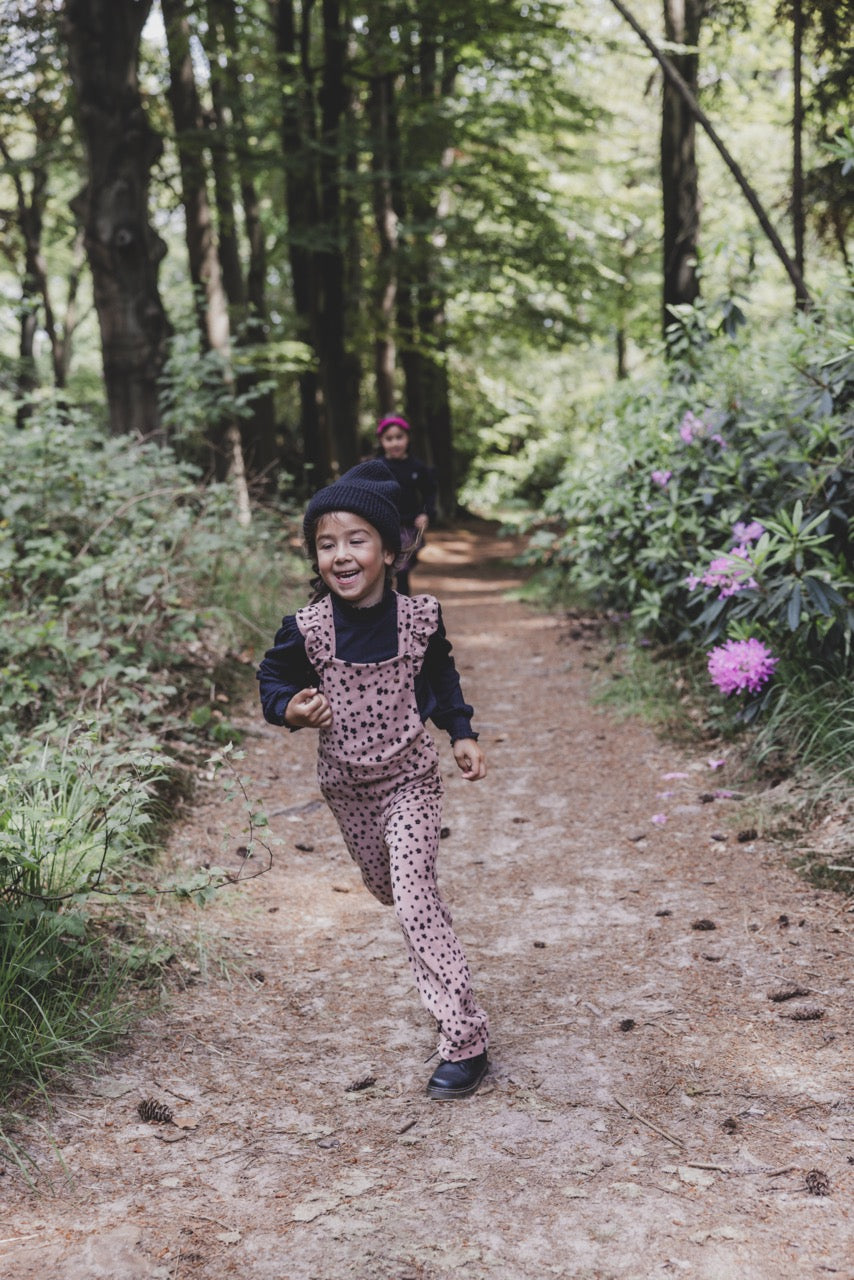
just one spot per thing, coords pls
(410, 1124)
(593, 1009)
(561, 1022)
(205, 1218)
(642, 1120)
(174, 1092)
(741, 1171)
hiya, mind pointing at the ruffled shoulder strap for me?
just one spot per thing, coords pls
(317, 628)
(417, 620)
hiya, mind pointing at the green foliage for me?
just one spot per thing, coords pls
(103, 547)
(649, 516)
(119, 612)
(70, 813)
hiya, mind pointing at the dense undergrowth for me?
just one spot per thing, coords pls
(710, 509)
(128, 594)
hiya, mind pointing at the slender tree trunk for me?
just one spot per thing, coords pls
(205, 273)
(421, 305)
(65, 336)
(385, 151)
(247, 299)
(341, 413)
(798, 220)
(352, 251)
(679, 183)
(29, 214)
(302, 205)
(123, 250)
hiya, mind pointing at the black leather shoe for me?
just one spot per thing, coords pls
(457, 1079)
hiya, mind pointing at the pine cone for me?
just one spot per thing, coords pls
(153, 1112)
(818, 1183)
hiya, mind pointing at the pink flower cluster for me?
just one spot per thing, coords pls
(730, 573)
(734, 571)
(692, 428)
(661, 478)
(741, 665)
(745, 534)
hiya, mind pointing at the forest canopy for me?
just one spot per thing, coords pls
(249, 228)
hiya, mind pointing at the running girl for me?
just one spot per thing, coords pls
(366, 667)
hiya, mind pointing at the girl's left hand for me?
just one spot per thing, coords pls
(470, 759)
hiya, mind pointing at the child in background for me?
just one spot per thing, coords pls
(417, 492)
(366, 667)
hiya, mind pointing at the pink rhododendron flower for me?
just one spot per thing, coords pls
(690, 427)
(659, 819)
(746, 533)
(719, 441)
(715, 764)
(741, 665)
(729, 573)
(661, 478)
(668, 776)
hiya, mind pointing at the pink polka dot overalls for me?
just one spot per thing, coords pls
(379, 773)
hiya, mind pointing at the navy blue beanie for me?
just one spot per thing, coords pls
(369, 490)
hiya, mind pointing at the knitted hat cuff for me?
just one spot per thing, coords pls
(368, 490)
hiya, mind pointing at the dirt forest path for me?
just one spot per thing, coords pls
(655, 1106)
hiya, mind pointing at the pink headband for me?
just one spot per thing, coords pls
(392, 422)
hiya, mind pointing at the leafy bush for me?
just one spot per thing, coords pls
(720, 505)
(117, 589)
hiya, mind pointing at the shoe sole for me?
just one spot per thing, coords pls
(449, 1095)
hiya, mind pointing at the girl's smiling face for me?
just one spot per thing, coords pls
(351, 558)
(395, 442)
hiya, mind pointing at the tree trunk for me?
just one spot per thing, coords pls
(679, 185)
(205, 272)
(331, 305)
(384, 157)
(65, 334)
(421, 307)
(29, 214)
(302, 206)
(123, 250)
(247, 299)
(798, 220)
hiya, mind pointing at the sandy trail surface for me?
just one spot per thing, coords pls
(654, 1107)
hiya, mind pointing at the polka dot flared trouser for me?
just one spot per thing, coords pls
(378, 771)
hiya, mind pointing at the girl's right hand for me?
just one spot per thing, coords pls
(308, 709)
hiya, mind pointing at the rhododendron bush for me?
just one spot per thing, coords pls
(716, 510)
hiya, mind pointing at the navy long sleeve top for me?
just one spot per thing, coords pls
(366, 635)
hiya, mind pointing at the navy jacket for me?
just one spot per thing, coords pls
(417, 488)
